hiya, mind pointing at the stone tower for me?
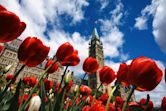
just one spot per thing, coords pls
(96, 51)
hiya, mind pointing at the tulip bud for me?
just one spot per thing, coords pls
(7, 68)
(76, 89)
(35, 103)
(68, 77)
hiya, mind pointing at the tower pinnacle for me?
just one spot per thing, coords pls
(95, 34)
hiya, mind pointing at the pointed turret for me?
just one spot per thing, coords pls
(95, 34)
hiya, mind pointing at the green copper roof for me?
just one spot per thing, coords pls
(95, 33)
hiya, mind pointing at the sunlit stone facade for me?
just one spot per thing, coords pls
(8, 55)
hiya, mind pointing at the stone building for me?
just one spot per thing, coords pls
(8, 55)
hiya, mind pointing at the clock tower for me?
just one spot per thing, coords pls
(95, 51)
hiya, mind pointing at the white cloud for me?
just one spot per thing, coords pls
(112, 37)
(104, 4)
(157, 10)
(159, 25)
(141, 23)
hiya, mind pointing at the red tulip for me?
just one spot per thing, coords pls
(107, 75)
(69, 85)
(163, 104)
(9, 77)
(22, 99)
(122, 74)
(48, 84)
(89, 99)
(86, 108)
(57, 88)
(64, 50)
(146, 106)
(85, 90)
(10, 25)
(26, 80)
(119, 101)
(97, 106)
(52, 68)
(32, 52)
(32, 81)
(103, 98)
(71, 60)
(111, 107)
(90, 65)
(142, 72)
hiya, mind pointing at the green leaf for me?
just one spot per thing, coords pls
(42, 95)
(14, 101)
(59, 100)
(50, 106)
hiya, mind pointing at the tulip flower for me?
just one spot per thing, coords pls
(68, 77)
(35, 103)
(163, 104)
(146, 106)
(71, 60)
(89, 99)
(90, 65)
(9, 77)
(98, 105)
(86, 108)
(104, 98)
(64, 50)
(52, 68)
(142, 72)
(57, 87)
(111, 107)
(31, 81)
(48, 84)
(122, 74)
(85, 90)
(119, 102)
(10, 25)
(69, 85)
(107, 75)
(26, 80)
(32, 52)
(75, 89)
(22, 99)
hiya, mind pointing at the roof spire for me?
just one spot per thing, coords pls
(95, 33)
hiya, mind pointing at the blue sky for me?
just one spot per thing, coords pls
(127, 28)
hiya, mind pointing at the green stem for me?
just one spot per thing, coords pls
(128, 98)
(34, 88)
(110, 96)
(96, 93)
(10, 82)
(64, 73)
